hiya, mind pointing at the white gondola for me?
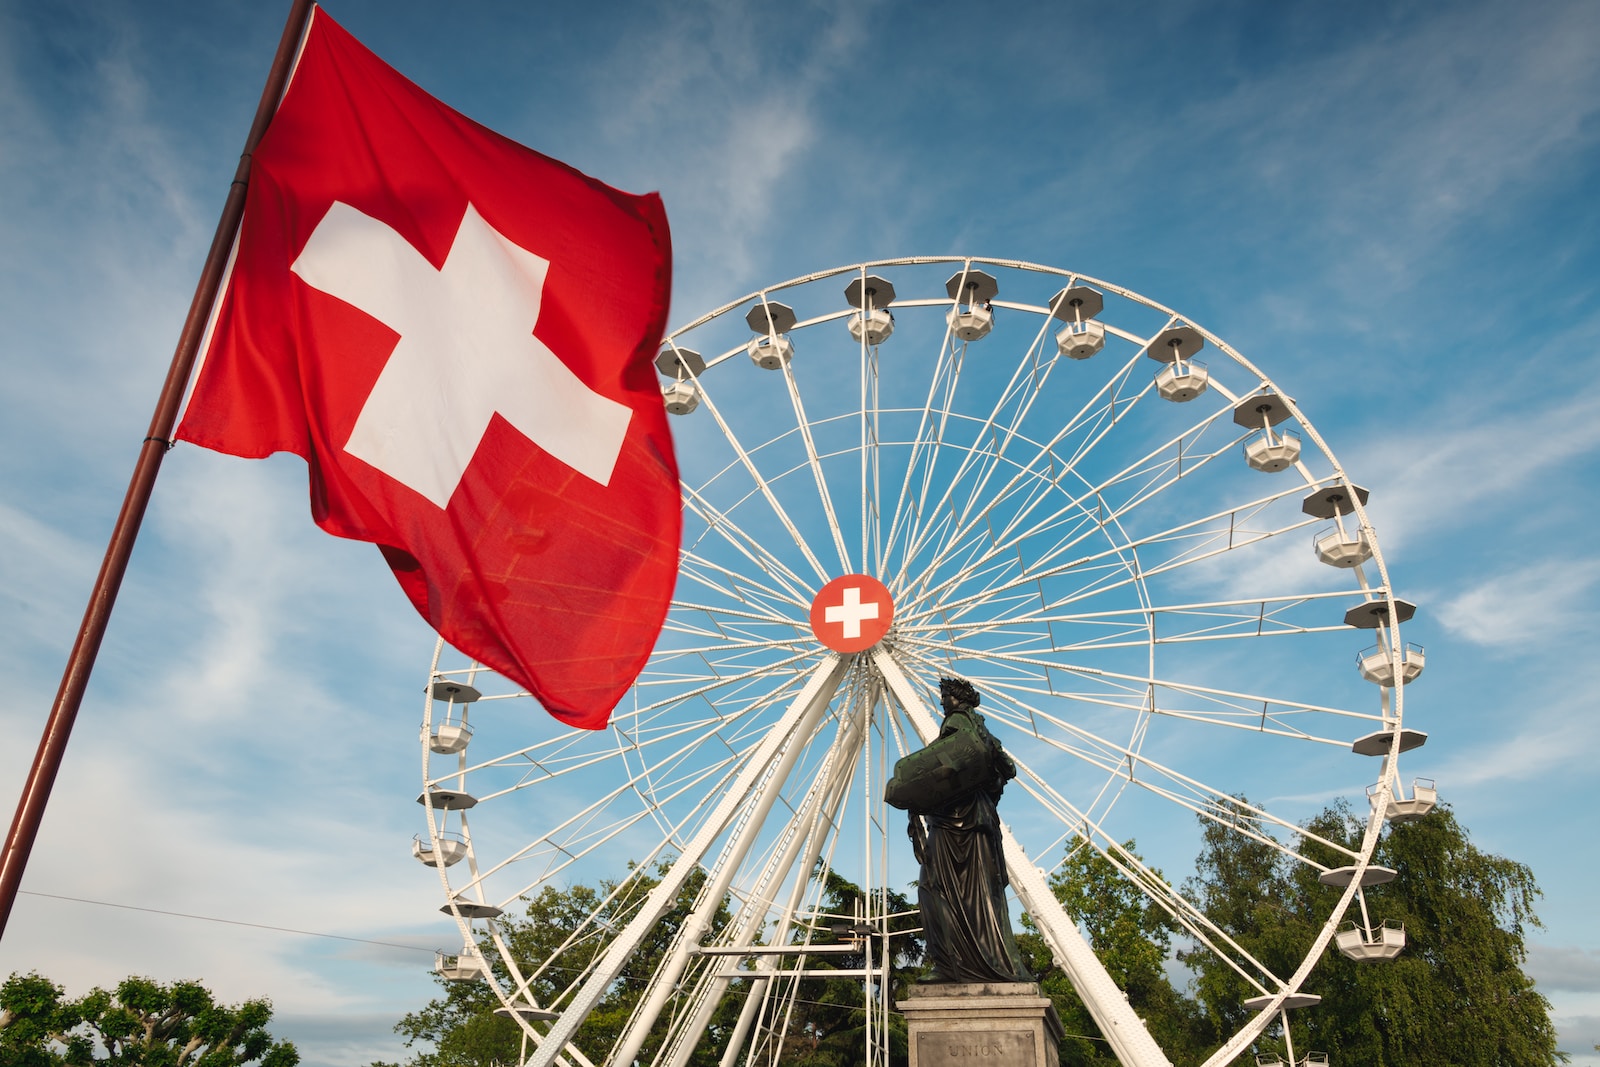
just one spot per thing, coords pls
(449, 732)
(1335, 545)
(876, 325)
(1081, 340)
(871, 296)
(468, 965)
(1337, 548)
(452, 849)
(772, 350)
(1377, 665)
(1384, 943)
(680, 397)
(448, 738)
(1272, 451)
(1423, 799)
(770, 353)
(1183, 380)
(972, 317)
(1077, 306)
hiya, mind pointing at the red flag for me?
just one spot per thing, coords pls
(456, 332)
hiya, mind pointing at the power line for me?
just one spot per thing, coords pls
(228, 922)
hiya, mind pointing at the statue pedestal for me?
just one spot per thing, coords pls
(981, 1025)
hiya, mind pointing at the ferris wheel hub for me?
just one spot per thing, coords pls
(852, 613)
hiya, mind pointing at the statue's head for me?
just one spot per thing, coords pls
(957, 693)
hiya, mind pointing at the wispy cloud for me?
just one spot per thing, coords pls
(1516, 608)
(1551, 734)
(721, 101)
(1459, 470)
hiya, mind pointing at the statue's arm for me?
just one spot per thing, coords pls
(918, 835)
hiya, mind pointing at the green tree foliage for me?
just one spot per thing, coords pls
(828, 1025)
(1457, 996)
(143, 1023)
(461, 1028)
(1133, 937)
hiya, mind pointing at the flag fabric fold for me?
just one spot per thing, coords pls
(456, 332)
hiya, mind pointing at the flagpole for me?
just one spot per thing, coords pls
(75, 678)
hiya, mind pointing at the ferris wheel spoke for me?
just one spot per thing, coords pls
(1023, 390)
(1201, 539)
(933, 429)
(1149, 882)
(1098, 417)
(1041, 568)
(738, 592)
(763, 560)
(1206, 801)
(814, 461)
(766, 489)
(1196, 924)
(1243, 711)
(1159, 624)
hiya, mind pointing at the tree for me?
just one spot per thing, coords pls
(1132, 935)
(144, 1023)
(828, 1027)
(462, 1027)
(1455, 997)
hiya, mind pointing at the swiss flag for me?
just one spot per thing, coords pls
(455, 332)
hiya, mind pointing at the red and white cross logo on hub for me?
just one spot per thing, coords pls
(852, 613)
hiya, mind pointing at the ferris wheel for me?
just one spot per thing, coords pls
(1137, 547)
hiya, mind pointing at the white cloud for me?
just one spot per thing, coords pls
(1415, 132)
(717, 105)
(1514, 609)
(1564, 967)
(1547, 736)
(1475, 465)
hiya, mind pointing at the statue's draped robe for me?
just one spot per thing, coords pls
(962, 886)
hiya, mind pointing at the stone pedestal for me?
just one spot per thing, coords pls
(981, 1025)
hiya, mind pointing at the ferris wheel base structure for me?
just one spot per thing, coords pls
(1135, 544)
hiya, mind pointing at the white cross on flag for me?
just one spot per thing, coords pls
(456, 334)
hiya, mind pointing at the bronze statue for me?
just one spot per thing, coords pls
(950, 788)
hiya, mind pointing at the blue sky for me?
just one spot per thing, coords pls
(1389, 208)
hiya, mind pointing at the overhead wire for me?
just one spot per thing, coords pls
(228, 922)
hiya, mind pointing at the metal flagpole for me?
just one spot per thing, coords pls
(75, 678)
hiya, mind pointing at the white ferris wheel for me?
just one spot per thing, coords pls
(1133, 543)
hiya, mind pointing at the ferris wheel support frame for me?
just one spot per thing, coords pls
(1047, 490)
(802, 716)
(821, 805)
